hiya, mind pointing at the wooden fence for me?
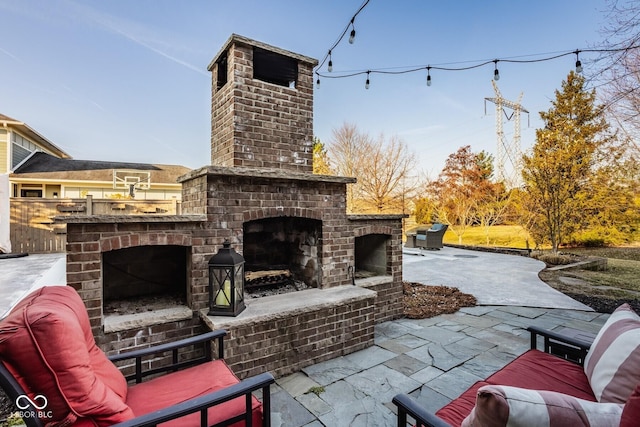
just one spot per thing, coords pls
(33, 229)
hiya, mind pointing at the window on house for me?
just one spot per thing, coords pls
(21, 148)
(26, 192)
(274, 68)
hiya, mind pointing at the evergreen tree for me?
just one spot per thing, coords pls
(558, 172)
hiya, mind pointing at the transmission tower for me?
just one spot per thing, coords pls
(507, 151)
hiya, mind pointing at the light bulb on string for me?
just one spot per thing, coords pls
(366, 84)
(352, 36)
(578, 63)
(428, 76)
(330, 65)
(318, 83)
(496, 73)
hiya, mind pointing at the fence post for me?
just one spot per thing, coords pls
(89, 204)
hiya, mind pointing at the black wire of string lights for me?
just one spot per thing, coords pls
(352, 37)
(496, 72)
(442, 67)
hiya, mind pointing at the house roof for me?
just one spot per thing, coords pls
(45, 166)
(23, 128)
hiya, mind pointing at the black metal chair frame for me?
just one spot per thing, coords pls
(199, 404)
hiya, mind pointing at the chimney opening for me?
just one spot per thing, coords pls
(272, 67)
(221, 65)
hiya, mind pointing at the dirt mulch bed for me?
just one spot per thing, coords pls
(422, 301)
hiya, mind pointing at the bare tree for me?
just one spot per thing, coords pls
(617, 70)
(383, 169)
(347, 147)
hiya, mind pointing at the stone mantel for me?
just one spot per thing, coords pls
(268, 173)
(122, 219)
(369, 217)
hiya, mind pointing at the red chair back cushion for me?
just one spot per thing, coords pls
(47, 344)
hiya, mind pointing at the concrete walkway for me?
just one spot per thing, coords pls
(494, 279)
(19, 276)
(433, 359)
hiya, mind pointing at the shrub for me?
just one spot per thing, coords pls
(553, 259)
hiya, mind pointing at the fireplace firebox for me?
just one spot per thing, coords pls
(150, 276)
(290, 246)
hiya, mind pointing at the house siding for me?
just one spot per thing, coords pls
(3, 151)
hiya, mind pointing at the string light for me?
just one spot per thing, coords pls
(352, 36)
(578, 63)
(496, 73)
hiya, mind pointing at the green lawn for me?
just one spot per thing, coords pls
(512, 236)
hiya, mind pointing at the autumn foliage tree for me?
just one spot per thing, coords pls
(320, 158)
(462, 188)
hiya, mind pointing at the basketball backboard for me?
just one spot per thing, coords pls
(124, 179)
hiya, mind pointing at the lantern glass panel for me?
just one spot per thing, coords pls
(239, 283)
(221, 287)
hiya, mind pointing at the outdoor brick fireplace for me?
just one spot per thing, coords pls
(259, 193)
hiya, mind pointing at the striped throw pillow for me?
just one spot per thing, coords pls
(612, 365)
(501, 406)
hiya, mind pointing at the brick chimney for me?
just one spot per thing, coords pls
(261, 107)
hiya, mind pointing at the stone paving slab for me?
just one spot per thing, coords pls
(433, 360)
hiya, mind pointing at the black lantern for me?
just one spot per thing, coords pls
(226, 282)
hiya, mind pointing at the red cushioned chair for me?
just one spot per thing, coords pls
(52, 369)
(557, 367)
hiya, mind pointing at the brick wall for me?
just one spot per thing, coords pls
(87, 241)
(237, 195)
(388, 301)
(283, 341)
(255, 123)
(133, 339)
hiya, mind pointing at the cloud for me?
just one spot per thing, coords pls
(10, 55)
(139, 34)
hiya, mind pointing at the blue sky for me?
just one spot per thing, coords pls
(126, 80)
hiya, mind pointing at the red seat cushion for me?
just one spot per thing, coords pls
(534, 370)
(537, 370)
(631, 411)
(46, 343)
(180, 386)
